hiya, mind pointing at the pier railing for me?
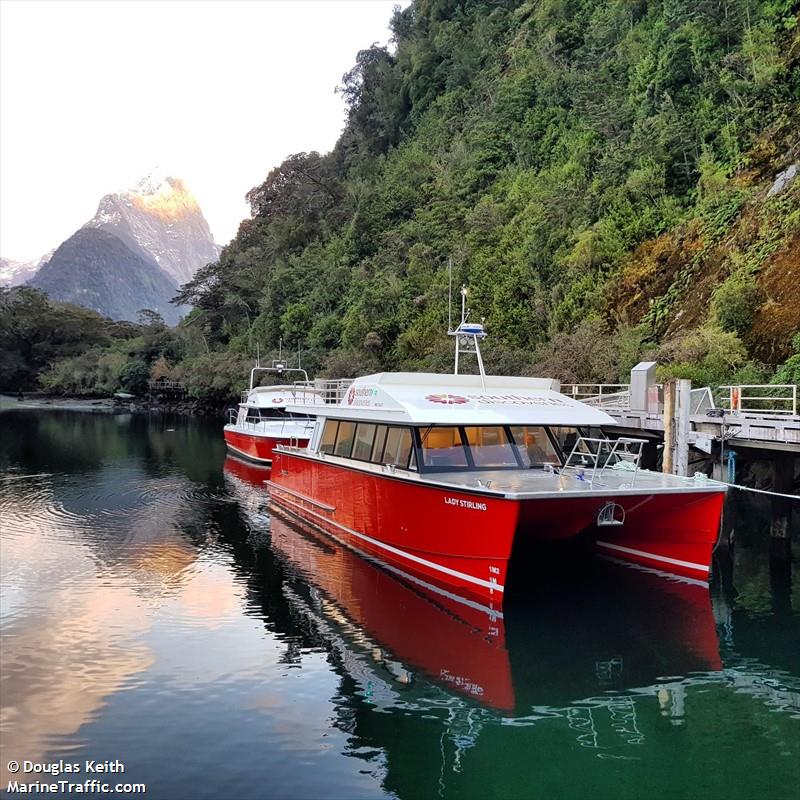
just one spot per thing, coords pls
(600, 394)
(765, 398)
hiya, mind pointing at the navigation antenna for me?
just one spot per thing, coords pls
(468, 335)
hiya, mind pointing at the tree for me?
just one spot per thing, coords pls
(134, 377)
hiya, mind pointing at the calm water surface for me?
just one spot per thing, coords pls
(154, 613)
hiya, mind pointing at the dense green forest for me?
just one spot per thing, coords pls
(601, 173)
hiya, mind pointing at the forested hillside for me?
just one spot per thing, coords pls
(601, 173)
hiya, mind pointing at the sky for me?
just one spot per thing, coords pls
(94, 95)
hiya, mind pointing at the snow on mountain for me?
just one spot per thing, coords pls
(160, 217)
(14, 273)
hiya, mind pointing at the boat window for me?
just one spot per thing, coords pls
(362, 446)
(566, 438)
(490, 447)
(329, 436)
(534, 445)
(442, 447)
(377, 448)
(344, 439)
(398, 447)
(273, 413)
(253, 415)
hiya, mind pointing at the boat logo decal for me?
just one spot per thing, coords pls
(447, 399)
(361, 395)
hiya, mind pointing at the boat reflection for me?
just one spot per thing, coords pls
(246, 471)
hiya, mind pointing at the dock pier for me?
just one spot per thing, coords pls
(724, 434)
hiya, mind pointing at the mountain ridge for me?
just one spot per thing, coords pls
(163, 240)
(95, 269)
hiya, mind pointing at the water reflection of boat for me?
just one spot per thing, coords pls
(453, 641)
(626, 629)
(246, 471)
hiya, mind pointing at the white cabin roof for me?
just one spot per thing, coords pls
(282, 396)
(420, 398)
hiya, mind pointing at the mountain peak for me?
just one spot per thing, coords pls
(156, 182)
(160, 217)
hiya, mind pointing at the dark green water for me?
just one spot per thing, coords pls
(153, 613)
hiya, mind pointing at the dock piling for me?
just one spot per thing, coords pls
(683, 427)
(669, 427)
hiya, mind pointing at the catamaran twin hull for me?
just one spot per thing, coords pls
(458, 531)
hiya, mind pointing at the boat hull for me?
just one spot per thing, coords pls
(463, 540)
(257, 447)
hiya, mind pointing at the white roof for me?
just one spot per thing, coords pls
(420, 398)
(281, 396)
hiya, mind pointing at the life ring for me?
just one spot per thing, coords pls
(276, 400)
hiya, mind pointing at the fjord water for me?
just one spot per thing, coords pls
(153, 612)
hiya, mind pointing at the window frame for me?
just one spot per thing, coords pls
(374, 427)
(470, 465)
(331, 422)
(411, 449)
(509, 441)
(349, 453)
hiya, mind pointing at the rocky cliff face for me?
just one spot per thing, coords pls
(97, 270)
(160, 217)
(140, 246)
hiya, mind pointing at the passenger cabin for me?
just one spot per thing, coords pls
(406, 421)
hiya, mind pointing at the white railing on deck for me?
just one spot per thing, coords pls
(307, 393)
(333, 390)
(599, 394)
(764, 398)
(591, 456)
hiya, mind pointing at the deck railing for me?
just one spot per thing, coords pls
(309, 392)
(333, 390)
(764, 398)
(591, 456)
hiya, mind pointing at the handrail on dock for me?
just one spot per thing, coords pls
(739, 398)
(616, 394)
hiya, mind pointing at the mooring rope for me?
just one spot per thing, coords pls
(762, 491)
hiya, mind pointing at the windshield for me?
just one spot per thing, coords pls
(486, 447)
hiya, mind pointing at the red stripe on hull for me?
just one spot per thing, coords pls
(258, 448)
(463, 541)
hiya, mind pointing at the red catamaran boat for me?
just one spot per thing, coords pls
(262, 420)
(449, 476)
